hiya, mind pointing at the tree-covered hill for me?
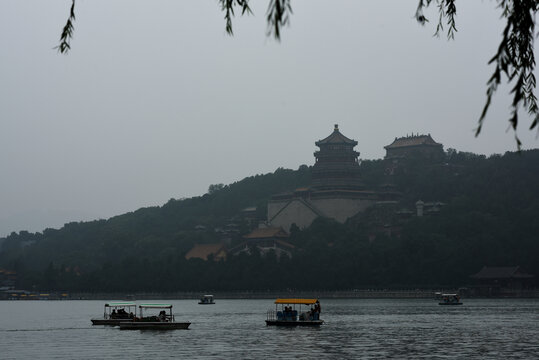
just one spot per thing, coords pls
(148, 232)
(487, 216)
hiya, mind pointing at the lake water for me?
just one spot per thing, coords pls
(354, 328)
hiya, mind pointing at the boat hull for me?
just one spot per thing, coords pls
(203, 303)
(294, 323)
(111, 322)
(142, 325)
(442, 303)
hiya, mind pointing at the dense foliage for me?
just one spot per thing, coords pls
(489, 218)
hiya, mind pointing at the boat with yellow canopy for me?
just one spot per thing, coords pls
(295, 312)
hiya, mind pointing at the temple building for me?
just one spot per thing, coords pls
(336, 165)
(422, 146)
(501, 281)
(337, 190)
(205, 252)
(265, 240)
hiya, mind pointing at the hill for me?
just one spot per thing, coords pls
(486, 215)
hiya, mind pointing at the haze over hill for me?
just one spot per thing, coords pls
(155, 101)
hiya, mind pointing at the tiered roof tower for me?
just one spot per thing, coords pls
(337, 165)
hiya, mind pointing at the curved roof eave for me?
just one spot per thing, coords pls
(336, 138)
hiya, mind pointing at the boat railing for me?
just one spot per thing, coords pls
(271, 315)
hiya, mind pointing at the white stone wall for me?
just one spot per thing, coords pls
(290, 212)
(274, 206)
(296, 211)
(341, 209)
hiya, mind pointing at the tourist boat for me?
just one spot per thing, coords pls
(206, 300)
(164, 321)
(450, 299)
(288, 315)
(116, 312)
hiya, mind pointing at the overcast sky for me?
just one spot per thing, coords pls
(155, 101)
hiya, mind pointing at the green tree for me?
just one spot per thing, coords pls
(489, 218)
(215, 187)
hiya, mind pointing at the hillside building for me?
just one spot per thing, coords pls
(205, 252)
(265, 240)
(428, 208)
(501, 280)
(418, 146)
(337, 191)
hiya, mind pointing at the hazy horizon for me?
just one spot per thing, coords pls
(155, 101)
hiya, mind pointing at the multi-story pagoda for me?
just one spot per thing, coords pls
(336, 163)
(336, 191)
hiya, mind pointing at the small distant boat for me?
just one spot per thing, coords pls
(288, 315)
(116, 313)
(206, 300)
(450, 299)
(163, 321)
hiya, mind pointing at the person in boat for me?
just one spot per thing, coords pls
(316, 311)
(162, 315)
(317, 307)
(310, 313)
(113, 314)
(287, 312)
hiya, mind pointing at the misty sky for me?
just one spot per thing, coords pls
(155, 101)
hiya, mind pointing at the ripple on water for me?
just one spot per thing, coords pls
(235, 329)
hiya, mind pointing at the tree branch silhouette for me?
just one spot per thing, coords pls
(514, 58)
(67, 32)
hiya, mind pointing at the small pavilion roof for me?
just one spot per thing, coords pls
(263, 233)
(336, 138)
(502, 272)
(202, 251)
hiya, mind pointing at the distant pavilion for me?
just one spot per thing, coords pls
(500, 280)
(417, 145)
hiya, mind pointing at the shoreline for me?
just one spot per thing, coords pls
(351, 294)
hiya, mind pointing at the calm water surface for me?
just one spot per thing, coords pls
(355, 328)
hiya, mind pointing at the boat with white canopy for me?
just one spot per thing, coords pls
(450, 299)
(206, 300)
(116, 312)
(164, 321)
